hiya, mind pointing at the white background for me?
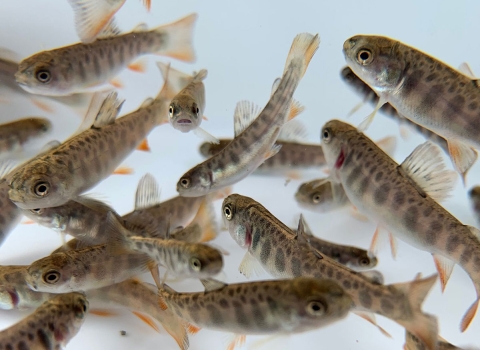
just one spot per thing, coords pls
(243, 44)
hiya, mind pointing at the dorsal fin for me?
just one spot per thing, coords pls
(146, 102)
(142, 27)
(148, 192)
(108, 110)
(465, 69)
(211, 284)
(245, 113)
(110, 30)
(374, 276)
(388, 144)
(304, 238)
(293, 131)
(49, 146)
(6, 166)
(201, 75)
(425, 167)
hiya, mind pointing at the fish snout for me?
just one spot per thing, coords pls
(349, 44)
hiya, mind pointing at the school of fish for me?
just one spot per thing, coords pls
(107, 260)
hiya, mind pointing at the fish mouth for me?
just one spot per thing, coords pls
(184, 121)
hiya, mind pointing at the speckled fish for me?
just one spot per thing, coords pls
(10, 214)
(422, 89)
(14, 291)
(253, 143)
(263, 307)
(413, 343)
(474, 195)
(49, 327)
(403, 199)
(92, 17)
(183, 259)
(81, 67)
(142, 299)
(352, 257)
(286, 254)
(14, 135)
(81, 162)
(84, 269)
(369, 95)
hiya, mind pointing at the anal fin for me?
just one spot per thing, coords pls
(147, 319)
(444, 267)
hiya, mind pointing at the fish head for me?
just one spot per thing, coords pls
(43, 74)
(376, 60)
(48, 217)
(315, 195)
(317, 302)
(363, 261)
(204, 261)
(184, 114)
(8, 297)
(235, 213)
(38, 126)
(50, 274)
(196, 182)
(35, 186)
(69, 310)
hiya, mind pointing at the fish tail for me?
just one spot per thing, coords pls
(301, 52)
(201, 75)
(205, 218)
(117, 236)
(92, 16)
(179, 35)
(174, 80)
(421, 325)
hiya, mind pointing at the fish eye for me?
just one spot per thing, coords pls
(228, 212)
(43, 76)
(170, 111)
(41, 188)
(185, 182)
(196, 264)
(80, 309)
(364, 56)
(316, 198)
(316, 308)
(38, 211)
(326, 135)
(364, 261)
(51, 277)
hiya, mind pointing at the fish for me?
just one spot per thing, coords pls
(66, 171)
(413, 343)
(51, 326)
(15, 294)
(92, 17)
(84, 269)
(262, 307)
(183, 259)
(14, 135)
(142, 299)
(474, 195)
(403, 199)
(187, 107)
(421, 88)
(83, 67)
(10, 214)
(369, 95)
(355, 258)
(284, 253)
(254, 142)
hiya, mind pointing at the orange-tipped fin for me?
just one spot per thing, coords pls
(139, 66)
(469, 316)
(117, 83)
(28, 222)
(102, 313)
(144, 146)
(238, 341)
(393, 245)
(123, 170)
(42, 105)
(148, 320)
(191, 329)
(444, 267)
(463, 157)
(147, 4)
(295, 109)
(205, 118)
(369, 317)
(373, 245)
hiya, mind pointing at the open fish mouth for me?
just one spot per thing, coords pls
(184, 121)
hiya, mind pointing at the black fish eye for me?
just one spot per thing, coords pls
(51, 277)
(364, 261)
(41, 188)
(196, 264)
(326, 135)
(316, 197)
(364, 56)
(227, 211)
(37, 211)
(185, 182)
(170, 111)
(316, 308)
(43, 76)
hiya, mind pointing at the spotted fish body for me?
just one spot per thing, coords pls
(83, 269)
(255, 143)
(10, 214)
(369, 95)
(80, 67)
(49, 327)
(281, 254)
(15, 134)
(263, 307)
(292, 156)
(78, 164)
(383, 191)
(321, 196)
(139, 297)
(15, 293)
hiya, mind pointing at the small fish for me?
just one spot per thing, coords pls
(355, 258)
(403, 199)
(193, 260)
(51, 326)
(84, 269)
(186, 108)
(14, 135)
(413, 343)
(253, 143)
(81, 67)
(474, 195)
(142, 299)
(14, 291)
(10, 214)
(264, 307)
(422, 89)
(64, 172)
(92, 17)
(284, 253)
(321, 196)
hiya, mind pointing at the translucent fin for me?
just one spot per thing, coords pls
(147, 319)
(249, 265)
(91, 16)
(148, 101)
(148, 192)
(427, 170)
(388, 144)
(108, 110)
(123, 170)
(192, 329)
(205, 135)
(205, 218)
(393, 245)
(466, 70)
(49, 146)
(357, 215)
(236, 341)
(96, 102)
(143, 146)
(369, 119)
(147, 4)
(201, 75)
(9, 55)
(139, 66)
(293, 131)
(245, 113)
(211, 284)
(444, 267)
(102, 313)
(111, 29)
(93, 204)
(42, 105)
(179, 35)
(355, 109)
(118, 243)
(463, 157)
(295, 109)
(301, 52)
(374, 243)
(176, 80)
(156, 274)
(117, 83)
(273, 151)
(141, 27)
(370, 317)
(469, 316)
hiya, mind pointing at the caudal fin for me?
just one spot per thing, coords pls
(117, 236)
(301, 52)
(175, 79)
(179, 36)
(205, 218)
(421, 325)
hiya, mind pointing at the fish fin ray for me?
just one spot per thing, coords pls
(147, 193)
(147, 319)
(469, 315)
(143, 146)
(175, 80)
(388, 144)
(139, 66)
(376, 277)
(211, 284)
(463, 157)
(301, 52)
(245, 113)
(205, 218)
(444, 267)
(249, 265)
(370, 317)
(293, 131)
(295, 109)
(42, 105)
(203, 134)
(123, 170)
(108, 111)
(466, 70)
(200, 75)
(369, 119)
(117, 83)
(102, 312)
(393, 245)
